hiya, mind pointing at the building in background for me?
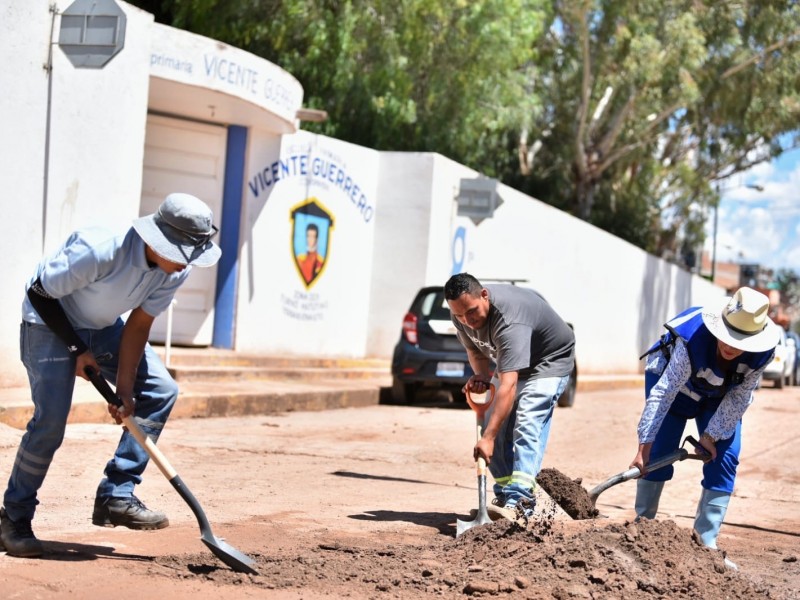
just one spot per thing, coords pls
(100, 144)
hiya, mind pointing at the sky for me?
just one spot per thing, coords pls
(761, 227)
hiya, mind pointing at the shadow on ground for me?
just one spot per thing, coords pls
(425, 399)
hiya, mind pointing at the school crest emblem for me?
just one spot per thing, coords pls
(312, 226)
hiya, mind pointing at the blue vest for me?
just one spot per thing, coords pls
(708, 383)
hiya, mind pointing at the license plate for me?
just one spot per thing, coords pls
(450, 369)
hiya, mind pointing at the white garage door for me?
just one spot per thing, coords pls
(184, 156)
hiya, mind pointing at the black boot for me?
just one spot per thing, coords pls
(126, 512)
(17, 537)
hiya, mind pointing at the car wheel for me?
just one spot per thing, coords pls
(567, 397)
(779, 382)
(402, 393)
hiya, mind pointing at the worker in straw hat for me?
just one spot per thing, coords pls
(706, 368)
(71, 320)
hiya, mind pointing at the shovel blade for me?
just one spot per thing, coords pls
(238, 561)
(482, 518)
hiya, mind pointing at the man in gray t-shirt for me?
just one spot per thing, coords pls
(534, 353)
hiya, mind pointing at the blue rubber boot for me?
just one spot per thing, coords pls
(710, 513)
(648, 493)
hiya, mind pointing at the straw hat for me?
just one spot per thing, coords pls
(741, 321)
(181, 231)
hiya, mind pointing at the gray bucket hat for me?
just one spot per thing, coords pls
(181, 231)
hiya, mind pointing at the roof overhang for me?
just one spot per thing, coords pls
(197, 77)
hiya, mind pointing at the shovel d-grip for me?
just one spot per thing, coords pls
(480, 408)
(634, 472)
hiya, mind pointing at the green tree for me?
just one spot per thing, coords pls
(450, 76)
(648, 105)
(788, 282)
(630, 114)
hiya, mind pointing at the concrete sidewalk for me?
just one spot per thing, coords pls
(220, 383)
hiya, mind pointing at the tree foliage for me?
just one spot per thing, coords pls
(449, 76)
(648, 106)
(788, 282)
(630, 114)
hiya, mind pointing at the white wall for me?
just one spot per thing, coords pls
(97, 136)
(401, 247)
(616, 295)
(277, 312)
(96, 140)
(23, 106)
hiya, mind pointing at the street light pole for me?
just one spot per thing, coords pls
(752, 186)
(714, 237)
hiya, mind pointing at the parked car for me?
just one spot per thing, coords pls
(429, 356)
(782, 368)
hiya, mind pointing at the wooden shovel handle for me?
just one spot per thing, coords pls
(102, 386)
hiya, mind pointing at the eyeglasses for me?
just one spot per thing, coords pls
(198, 240)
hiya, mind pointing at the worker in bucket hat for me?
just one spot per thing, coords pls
(71, 320)
(705, 368)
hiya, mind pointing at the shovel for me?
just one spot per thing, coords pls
(634, 473)
(482, 517)
(237, 561)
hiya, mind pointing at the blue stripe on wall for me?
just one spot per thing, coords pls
(228, 266)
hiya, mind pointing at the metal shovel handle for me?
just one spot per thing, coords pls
(482, 516)
(634, 472)
(102, 386)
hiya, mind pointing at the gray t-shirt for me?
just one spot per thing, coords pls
(523, 333)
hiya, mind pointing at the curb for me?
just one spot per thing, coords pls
(244, 396)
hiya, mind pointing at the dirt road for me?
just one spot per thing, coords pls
(362, 503)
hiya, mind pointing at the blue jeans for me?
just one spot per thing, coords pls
(51, 372)
(520, 444)
(719, 475)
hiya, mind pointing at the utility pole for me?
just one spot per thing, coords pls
(714, 243)
(751, 186)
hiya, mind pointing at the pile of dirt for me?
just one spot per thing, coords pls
(537, 558)
(568, 493)
(652, 559)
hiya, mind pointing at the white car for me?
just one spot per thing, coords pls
(781, 370)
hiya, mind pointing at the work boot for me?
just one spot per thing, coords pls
(17, 537)
(512, 511)
(501, 512)
(710, 513)
(496, 510)
(126, 512)
(648, 493)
